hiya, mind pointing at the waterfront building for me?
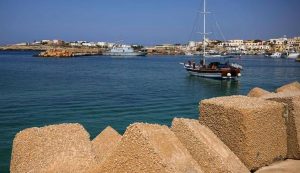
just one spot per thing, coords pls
(45, 41)
(102, 44)
(254, 45)
(21, 44)
(166, 46)
(222, 44)
(57, 42)
(235, 43)
(192, 44)
(89, 44)
(110, 45)
(75, 44)
(279, 41)
(36, 43)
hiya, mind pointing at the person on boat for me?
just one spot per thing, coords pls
(194, 65)
(213, 66)
(201, 63)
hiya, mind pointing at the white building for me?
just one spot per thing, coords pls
(75, 44)
(36, 43)
(235, 43)
(192, 44)
(279, 41)
(89, 44)
(45, 41)
(102, 44)
(21, 44)
(110, 45)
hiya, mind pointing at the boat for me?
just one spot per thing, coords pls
(215, 70)
(276, 55)
(124, 50)
(215, 54)
(293, 55)
(188, 54)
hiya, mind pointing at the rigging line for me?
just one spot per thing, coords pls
(194, 27)
(196, 22)
(219, 28)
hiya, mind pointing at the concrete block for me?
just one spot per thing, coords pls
(147, 148)
(292, 102)
(287, 166)
(206, 148)
(55, 148)
(253, 128)
(105, 143)
(295, 86)
(257, 92)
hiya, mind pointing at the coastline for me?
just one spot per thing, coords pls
(77, 51)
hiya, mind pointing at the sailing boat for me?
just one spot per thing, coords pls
(215, 70)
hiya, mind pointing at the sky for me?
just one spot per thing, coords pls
(146, 22)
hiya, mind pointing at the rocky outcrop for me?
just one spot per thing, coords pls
(257, 92)
(253, 128)
(148, 148)
(287, 166)
(56, 53)
(292, 87)
(105, 143)
(206, 148)
(55, 148)
(292, 113)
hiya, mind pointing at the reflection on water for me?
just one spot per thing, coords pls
(219, 87)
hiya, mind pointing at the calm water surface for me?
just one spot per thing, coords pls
(102, 91)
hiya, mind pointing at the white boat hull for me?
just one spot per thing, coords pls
(189, 54)
(293, 55)
(276, 55)
(124, 53)
(211, 75)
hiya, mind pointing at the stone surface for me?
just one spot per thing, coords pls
(147, 148)
(206, 148)
(253, 128)
(55, 148)
(295, 86)
(56, 53)
(292, 102)
(105, 143)
(287, 166)
(257, 92)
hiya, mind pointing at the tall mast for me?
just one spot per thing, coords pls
(204, 29)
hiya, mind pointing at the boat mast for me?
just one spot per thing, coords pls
(204, 30)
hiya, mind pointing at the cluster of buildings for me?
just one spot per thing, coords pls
(283, 44)
(248, 46)
(43, 42)
(91, 44)
(72, 43)
(231, 46)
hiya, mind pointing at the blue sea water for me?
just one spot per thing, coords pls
(101, 91)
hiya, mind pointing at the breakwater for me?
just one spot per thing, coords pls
(233, 134)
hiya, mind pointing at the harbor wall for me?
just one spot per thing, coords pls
(233, 134)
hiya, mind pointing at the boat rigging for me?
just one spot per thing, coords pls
(215, 70)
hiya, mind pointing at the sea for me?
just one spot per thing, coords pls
(100, 91)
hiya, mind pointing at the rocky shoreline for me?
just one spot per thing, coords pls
(255, 133)
(56, 51)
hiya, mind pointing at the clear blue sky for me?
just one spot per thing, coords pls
(144, 21)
